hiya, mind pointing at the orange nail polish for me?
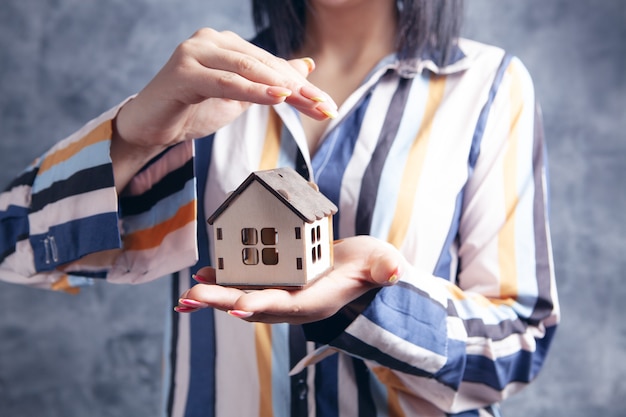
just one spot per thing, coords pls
(328, 112)
(278, 91)
(309, 63)
(395, 276)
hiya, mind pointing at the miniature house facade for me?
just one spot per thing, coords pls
(274, 230)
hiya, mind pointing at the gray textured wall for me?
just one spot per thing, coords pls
(98, 354)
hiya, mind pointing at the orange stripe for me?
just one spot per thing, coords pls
(506, 236)
(63, 284)
(263, 342)
(415, 163)
(101, 133)
(154, 236)
(394, 385)
(271, 146)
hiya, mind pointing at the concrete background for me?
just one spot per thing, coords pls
(98, 354)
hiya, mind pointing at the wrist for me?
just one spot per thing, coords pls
(128, 158)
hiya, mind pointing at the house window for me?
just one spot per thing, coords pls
(250, 256)
(269, 236)
(270, 256)
(218, 232)
(249, 236)
(298, 233)
(220, 263)
(298, 263)
(316, 250)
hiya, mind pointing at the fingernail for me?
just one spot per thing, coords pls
(240, 314)
(278, 91)
(184, 309)
(313, 93)
(395, 276)
(200, 278)
(327, 111)
(188, 302)
(309, 63)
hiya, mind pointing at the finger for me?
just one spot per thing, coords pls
(205, 275)
(234, 55)
(385, 265)
(304, 66)
(216, 296)
(240, 77)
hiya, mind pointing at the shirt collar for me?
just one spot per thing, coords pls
(430, 60)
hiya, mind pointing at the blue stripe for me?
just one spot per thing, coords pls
(75, 239)
(471, 413)
(201, 396)
(165, 209)
(444, 263)
(13, 226)
(522, 366)
(452, 372)
(327, 387)
(331, 159)
(362, 375)
(411, 315)
(281, 386)
(88, 157)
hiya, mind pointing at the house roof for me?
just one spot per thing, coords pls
(289, 187)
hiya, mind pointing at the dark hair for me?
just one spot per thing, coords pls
(424, 26)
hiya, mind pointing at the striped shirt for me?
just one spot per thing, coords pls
(445, 163)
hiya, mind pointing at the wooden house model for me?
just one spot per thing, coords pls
(274, 230)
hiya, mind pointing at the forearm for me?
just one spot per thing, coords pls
(61, 218)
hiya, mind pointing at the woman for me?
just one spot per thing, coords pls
(444, 302)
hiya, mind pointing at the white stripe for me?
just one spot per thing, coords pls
(500, 348)
(72, 208)
(17, 196)
(22, 262)
(370, 333)
(348, 394)
(236, 372)
(177, 251)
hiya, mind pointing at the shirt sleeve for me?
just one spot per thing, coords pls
(471, 342)
(63, 224)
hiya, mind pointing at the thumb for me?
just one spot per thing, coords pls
(386, 266)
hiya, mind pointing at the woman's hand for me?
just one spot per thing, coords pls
(361, 264)
(210, 79)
